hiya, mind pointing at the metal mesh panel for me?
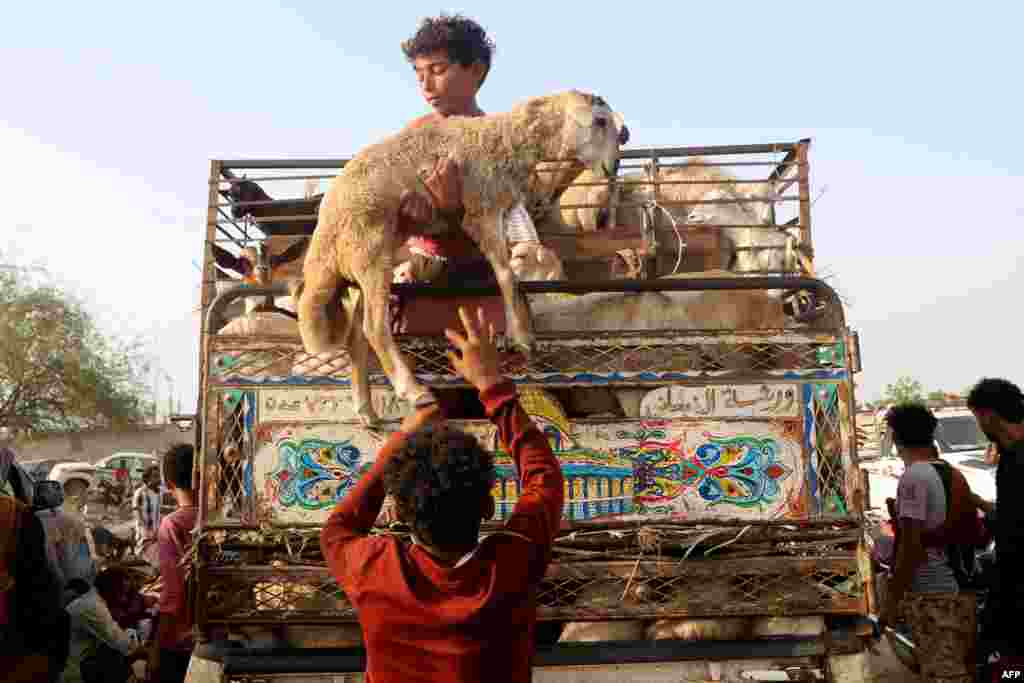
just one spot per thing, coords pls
(227, 477)
(607, 359)
(574, 591)
(655, 590)
(828, 449)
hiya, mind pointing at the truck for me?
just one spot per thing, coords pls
(718, 508)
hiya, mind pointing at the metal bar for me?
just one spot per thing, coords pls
(213, 315)
(766, 226)
(636, 153)
(206, 300)
(228, 237)
(810, 523)
(299, 231)
(297, 218)
(238, 662)
(734, 200)
(616, 232)
(621, 182)
(805, 193)
(264, 202)
(787, 161)
(657, 337)
(638, 232)
(659, 285)
(650, 221)
(708, 150)
(229, 219)
(704, 164)
(282, 163)
(263, 179)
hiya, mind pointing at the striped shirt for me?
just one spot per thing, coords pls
(146, 504)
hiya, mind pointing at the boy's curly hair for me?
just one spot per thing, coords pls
(913, 425)
(438, 480)
(464, 40)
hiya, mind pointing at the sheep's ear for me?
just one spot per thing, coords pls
(295, 287)
(583, 116)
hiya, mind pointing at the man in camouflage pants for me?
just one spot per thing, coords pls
(923, 588)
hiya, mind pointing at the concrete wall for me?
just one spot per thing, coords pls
(93, 445)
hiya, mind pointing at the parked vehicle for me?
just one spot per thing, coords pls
(40, 469)
(960, 442)
(112, 479)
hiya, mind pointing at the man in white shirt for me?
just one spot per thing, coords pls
(146, 504)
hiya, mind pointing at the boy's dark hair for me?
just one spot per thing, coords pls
(177, 465)
(464, 40)
(1002, 397)
(438, 480)
(913, 425)
(150, 471)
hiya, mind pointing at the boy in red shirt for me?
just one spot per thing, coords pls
(172, 648)
(447, 606)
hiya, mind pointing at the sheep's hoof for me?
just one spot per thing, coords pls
(523, 349)
(367, 417)
(423, 400)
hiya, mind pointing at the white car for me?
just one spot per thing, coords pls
(961, 443)
(119, 470)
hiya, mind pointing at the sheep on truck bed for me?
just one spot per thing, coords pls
(712, 524)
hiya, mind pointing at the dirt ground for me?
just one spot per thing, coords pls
(887, 668)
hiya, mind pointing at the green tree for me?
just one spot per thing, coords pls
(58, 371)
(904, 390)
(937, 395)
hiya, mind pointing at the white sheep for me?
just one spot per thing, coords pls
(695, 181)
(356, 235)
(755, 250)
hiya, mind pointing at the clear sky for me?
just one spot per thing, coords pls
(111, 112)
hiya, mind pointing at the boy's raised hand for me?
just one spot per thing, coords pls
(477, 360)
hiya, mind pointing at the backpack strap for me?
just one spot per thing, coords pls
(10, 526)
(939, 537)
(10, 520)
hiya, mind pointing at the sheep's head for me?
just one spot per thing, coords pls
(594, 132)
(729, 213)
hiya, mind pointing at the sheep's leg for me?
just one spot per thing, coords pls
(359, 355)
(375, 283)
(316, 315)
(726, 253)
(488, 231)
(359, 352)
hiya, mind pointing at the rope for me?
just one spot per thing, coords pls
(698, 542)
(652, 205)
(722, 545)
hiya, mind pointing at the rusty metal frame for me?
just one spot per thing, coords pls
(792, 169)
(795, 157)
